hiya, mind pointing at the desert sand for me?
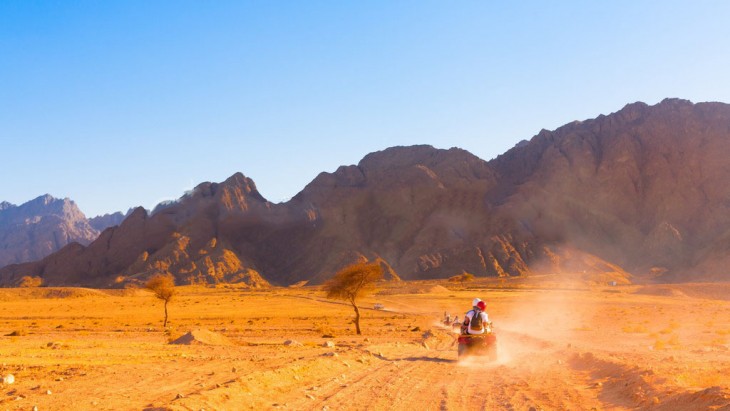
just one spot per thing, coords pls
(575, 347)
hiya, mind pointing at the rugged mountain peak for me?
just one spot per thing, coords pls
(4, 205)
(642, 190)
(39, 227)
(398, 157)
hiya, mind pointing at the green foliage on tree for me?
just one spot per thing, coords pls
(353, 282)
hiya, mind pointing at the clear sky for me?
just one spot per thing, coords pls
(117, 104)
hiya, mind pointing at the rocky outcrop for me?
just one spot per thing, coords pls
(40, 227)
(645, 187)
(640, 193)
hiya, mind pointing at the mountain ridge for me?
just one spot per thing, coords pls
(614, 198)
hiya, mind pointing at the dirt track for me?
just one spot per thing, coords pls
(559, 349)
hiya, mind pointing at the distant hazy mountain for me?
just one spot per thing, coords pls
(44, 225)
(638, 194)
(102, 222)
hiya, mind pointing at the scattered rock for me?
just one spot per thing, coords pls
(414, 329)
(8, 379)
(328, 336)
(330, 354)
(311, 397)
(328, 344)
(293, 343)
(49, 392)
(179, 396)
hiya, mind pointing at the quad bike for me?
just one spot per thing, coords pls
(479, 344)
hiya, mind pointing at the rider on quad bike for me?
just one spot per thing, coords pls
(476, 325)
(476, 332)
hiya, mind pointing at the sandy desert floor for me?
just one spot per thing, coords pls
(655, 347)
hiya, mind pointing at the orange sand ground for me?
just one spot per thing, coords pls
(579, 348)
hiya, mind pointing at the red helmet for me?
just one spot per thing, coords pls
(482, 305)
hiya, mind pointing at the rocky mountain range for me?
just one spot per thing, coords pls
(641, 194)
(44, 225)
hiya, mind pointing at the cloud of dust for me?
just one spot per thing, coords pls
(540, 321)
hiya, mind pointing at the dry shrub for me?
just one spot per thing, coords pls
(30, 281)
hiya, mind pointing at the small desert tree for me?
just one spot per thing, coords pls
(353, 282)
(164, 288)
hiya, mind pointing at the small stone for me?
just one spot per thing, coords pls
(8, 379)
(328, 344)
(234, 369)
(48, 392)
(311, 397)
(178, 396)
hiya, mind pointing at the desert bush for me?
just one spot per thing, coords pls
(353, 282)
(163, 286)
(30, 281)
(462, 278)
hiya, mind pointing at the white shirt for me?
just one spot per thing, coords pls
(484, 317)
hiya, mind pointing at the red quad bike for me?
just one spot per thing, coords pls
(484, 345)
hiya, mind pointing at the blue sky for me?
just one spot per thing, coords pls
(121, 104)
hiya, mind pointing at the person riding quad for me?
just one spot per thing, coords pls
(476, 319)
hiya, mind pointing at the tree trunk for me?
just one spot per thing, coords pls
(357, 319)
(165, 323)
